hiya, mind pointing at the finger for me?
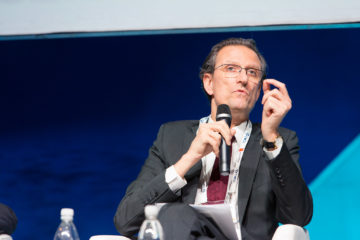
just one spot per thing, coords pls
(232, 131)
(270, 107)
(216, 136)
(274, 106)
(220, 127)
(214, 141)
(284, 100)
(224, 130)
(266, 86)
(273, 93)
(278, 84)
(282, 89)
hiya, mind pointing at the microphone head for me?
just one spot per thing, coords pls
(223, 112)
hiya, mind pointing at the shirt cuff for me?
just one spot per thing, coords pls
(274, 153)
(173, 179)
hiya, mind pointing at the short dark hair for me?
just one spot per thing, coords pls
(209, 64)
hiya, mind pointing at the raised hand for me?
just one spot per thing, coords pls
(277, 104)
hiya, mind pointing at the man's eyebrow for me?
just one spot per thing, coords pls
(255, 66)
(230, 62)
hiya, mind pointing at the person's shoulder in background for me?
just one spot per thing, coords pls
(8, 220)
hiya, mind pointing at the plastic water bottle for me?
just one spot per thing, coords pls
(151, 228)
(66, 229)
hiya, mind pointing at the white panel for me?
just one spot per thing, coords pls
(54, 16)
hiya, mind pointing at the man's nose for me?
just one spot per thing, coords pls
(242, 76)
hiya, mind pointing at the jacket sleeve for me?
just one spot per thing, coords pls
(294, 204)
(148, 188)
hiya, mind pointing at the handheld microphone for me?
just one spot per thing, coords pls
(223, 113)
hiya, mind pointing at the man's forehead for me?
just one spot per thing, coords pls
(237, 54)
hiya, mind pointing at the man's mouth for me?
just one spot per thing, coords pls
(242, 91)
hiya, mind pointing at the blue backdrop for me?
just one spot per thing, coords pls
(78, 115)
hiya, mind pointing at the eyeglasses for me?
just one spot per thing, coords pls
(233, 71)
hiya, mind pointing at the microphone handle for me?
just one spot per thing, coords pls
(225, 155)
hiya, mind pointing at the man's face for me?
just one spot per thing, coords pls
(241, 92)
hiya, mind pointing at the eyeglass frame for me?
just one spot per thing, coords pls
(262, 77)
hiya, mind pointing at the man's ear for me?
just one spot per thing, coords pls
(208, 83)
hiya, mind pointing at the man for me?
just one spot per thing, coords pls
(265, 185)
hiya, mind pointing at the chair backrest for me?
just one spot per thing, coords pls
(108, 237)
(291, 232)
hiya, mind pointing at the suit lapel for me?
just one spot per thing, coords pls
(248, 168)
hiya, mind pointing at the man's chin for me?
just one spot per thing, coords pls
(240, 107)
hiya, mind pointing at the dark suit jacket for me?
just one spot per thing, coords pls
(269, 191)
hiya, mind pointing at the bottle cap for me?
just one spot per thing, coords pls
(151, 211)
(67, 214)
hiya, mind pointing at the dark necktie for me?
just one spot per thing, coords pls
(217, 187)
